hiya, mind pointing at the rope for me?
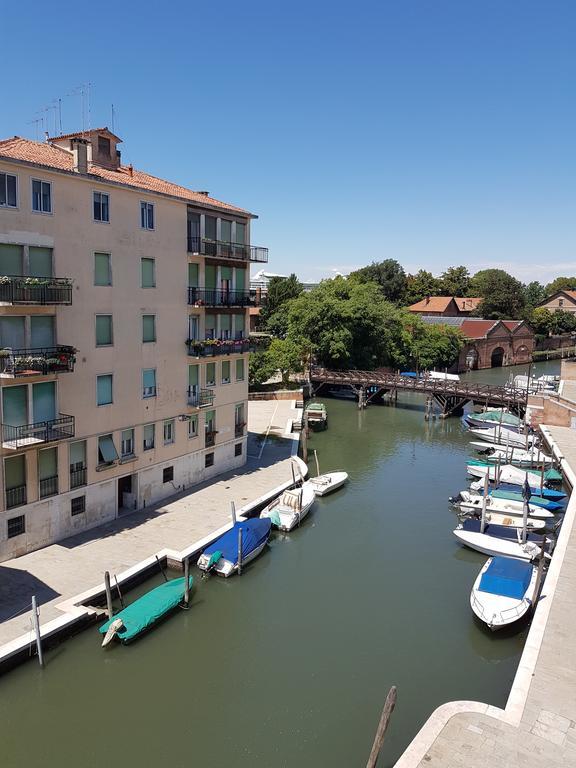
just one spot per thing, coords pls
(26, 608)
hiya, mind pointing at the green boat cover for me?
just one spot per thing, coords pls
(148, 609)
(552, 475)
(316, 407)
(498, 417)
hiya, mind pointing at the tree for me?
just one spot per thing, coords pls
(434, 346)
(502, 295)
(420, 285)
(561, 284)
(280, 290)
(455, 281)
(259, 368)
(534, 294)
(388, 274)
(286, 356)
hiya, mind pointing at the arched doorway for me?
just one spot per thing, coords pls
(497, 357)
(522, 354)
(472, 359)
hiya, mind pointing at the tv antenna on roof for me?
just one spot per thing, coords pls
(84, 91)
(37, 122)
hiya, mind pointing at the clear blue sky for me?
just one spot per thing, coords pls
(436, 132)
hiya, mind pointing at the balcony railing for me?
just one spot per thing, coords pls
(15, 497)
(221, 250)
(16, 289)
(78, 478)
(48, 487)
(200, 398)
(211, 437)
(25, 435)
(214, 347)
(216, 297)
(38, 361)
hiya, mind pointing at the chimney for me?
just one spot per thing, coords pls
(80, 154)
(131, 170)
(203, 192)
(427, 299)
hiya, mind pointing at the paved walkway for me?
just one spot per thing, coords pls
(61, 571)
(538, 727)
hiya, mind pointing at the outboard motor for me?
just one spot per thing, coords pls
(455, 499)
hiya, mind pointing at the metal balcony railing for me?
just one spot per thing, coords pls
(239, 429)
(78, 477)
(211, 437)
(214, 347)
(15, 497)
(200, 398)
(222, 250)
(25, 435)
(15, 289)
(37, 361)
(48, 487)
(216, 297)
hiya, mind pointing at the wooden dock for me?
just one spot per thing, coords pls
(451, 396)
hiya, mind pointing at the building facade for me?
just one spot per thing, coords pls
(560, 301)
(445, 306)
(123, 337)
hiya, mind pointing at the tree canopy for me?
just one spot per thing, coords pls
(561, 284)
(455, 282)
(502, 295)
(280, 290)
(388, 275)
(420, 285)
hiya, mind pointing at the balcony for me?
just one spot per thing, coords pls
(78, 477)
(215, 347)
(40, 361)
(48, 487)
(27, 435)
(41, 291)
(211, 437)
(200, 398)
(215, 297)
(218, 249)
(239, 429)
(15, 497)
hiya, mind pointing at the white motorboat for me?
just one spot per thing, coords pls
(467, 501)
(506, 437)
(290, 508)
(325, 484)
(510, 521)
(492, 546)
(511, 455)
(508, 474)
(504, 591)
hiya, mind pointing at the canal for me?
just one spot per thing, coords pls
(289, 665)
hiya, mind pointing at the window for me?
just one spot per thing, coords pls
(148, 273)
(226, 372)
(15, 478)
(149, 382)
(103, 330)
(101, 206)
(78, 464)
(240, 369)
(225, 231)
(148, 328)
(560, 302)
(168, 431)
(103, 146)
(78, 505)
(147, 215)
(210, 374)
(104, 389)
(127, 444)
(193, 427)
(48, 472)
(168, 474)
(41, 196)
(8, 197)
(16, 526)
(107, 453)
(148, 442)
(240, 233)
(102, 269)
(238, 449)
(209, 460)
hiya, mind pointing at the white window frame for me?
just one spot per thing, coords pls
(153, 446)
(100, 221)
(193, 433)
(172, 429)
(144, 214)
(42, 213)
(125, 454)
(17, 180)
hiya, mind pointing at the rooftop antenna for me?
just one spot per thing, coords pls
(57, 115)
(37, 122)
(112, 118)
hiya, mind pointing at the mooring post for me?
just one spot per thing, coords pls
(239, 551)
(539, 572)
(109, 608)
(186, 581)
(389, 705)
(37, 630)
(233, 512)
(317, 464)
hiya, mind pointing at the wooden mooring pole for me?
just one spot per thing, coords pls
(317, 464)
(389, 705)
(37, 631)
(109, 608)
(239, 551)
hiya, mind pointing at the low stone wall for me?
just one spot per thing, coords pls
(277, 394)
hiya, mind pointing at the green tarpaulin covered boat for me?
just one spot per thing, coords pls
(147, 610)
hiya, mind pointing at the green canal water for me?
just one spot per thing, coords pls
(289, 665)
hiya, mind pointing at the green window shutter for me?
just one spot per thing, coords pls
(148, 273)
(210, 227)
(192, 375)
(107, 448)
(225, 322)
(15, 472)
(14, 406)
(225, 231)
(40, 262)
(238, 324)
(44, 401)
(210, 325)
(11, 259)
(149, 377)
(42, 331)
(240, 233)
(210, 421)
(240, 279)
(148, 436)
(240, 369)
(148, 327)
(47, 463)
(193, 276)
(225, 273)
(210, 276)
(225, 371)
(12, 333)
(78, 452)
(102, 271)
(103, 330)
(104, 389)
(210, 374)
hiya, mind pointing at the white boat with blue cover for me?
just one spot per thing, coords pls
(222, 556)
(503, 591)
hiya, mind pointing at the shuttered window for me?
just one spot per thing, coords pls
(104, 389)
(193, 276)
(103, 330)
(148, 328)
(148, 273)
(210, 374)
(240, 369)
(149, 382)
(226, 372)
(149, 434)
(11, 259)
(107, 452)
(40, 260)
(102, 269)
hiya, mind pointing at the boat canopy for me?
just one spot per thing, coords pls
(254, 533)
(498, 417)
(506, 577)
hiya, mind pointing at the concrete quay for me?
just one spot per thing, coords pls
(66, 575)
(537, 728)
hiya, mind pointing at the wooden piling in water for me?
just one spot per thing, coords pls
(239, 551)
(37, 631)
(109, 608)
(317, 464)
(389, 705)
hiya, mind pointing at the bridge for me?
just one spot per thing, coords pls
(451, 396)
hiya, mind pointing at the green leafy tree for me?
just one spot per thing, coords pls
(285, 356)
(534, 294)
(455, 282)
(420, 285)
(260, 368)
(502, 295)
(561, 284)
(388, 274)
(434, 346)
(280, 291)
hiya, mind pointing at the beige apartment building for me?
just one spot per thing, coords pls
(123, 337)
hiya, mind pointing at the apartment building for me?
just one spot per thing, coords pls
(123, 337)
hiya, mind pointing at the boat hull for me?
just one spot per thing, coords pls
(325, 484)
(285, 518)
(491, 546)
(497, 611)
(226, 568)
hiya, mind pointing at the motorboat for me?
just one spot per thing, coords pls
(499, 540)
(501, 436)
(222, 555)
(511, 455)
(549, 498)
(510, 521)
(509, 474)
(316, 416)
(290, 508)
(325, 484)
(494, 418)
(504, 591)
(466, 500)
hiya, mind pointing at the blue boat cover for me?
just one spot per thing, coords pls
(254, 533)
(410, 374)
(499, 531)
(506, 577)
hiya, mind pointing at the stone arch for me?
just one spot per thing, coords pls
(472, 358)
(497, 357)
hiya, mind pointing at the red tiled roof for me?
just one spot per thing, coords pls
(85, 134)
(476, 329)
(511, 324)
(467, 304)
(432, 304)
(50, 156)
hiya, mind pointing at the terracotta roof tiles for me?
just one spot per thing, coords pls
(432, 304)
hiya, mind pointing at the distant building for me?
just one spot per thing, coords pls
(445, 306)
(490, 343)
(561, 300)
(262, 279)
